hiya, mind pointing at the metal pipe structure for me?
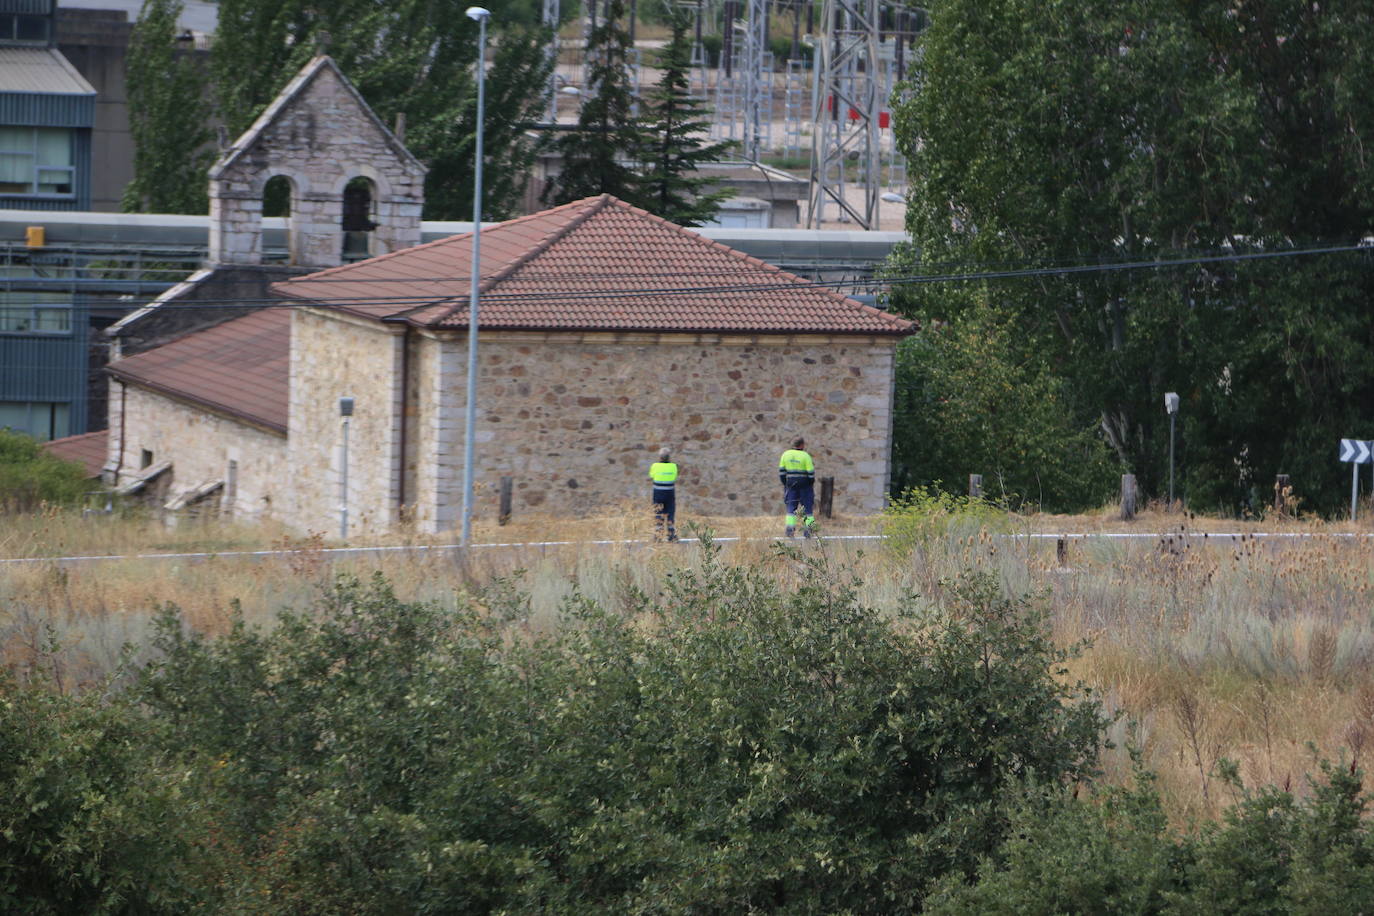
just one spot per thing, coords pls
(480, 16)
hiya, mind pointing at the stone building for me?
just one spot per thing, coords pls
(605, 333)
(353, 191)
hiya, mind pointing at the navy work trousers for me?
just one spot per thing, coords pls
(801, 493)
(665, 511)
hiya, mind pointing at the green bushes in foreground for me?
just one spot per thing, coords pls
(730, 745)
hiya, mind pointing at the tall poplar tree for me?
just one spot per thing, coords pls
(674, 139)
(169, 117)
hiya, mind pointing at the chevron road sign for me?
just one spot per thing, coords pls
(1356, 450)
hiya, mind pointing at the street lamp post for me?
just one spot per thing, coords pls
(1171, 405)
(345, 414)
(480, 16)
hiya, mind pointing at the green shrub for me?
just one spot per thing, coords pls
(1271, 853)
(730, 745)
(30, 477)
(924, 514)
(1111, 853)
(90, 821)
(712, 44)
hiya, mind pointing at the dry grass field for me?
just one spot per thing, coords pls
(1210, 646)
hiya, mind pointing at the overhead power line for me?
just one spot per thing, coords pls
(563, 294)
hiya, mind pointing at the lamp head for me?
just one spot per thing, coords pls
(1171, 402)
(477, 13)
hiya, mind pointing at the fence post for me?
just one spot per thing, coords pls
(503, 514)
(827, 496)
(1061, 552)
(1127, 497)
(975, 486)
(1283, 490)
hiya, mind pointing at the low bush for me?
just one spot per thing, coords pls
(1271, 853)
(921, 515)
(30, 477)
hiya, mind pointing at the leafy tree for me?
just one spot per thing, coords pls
(969, 399)
(1105, 132)
(674, 146)
(412, 56)
(598, 155)
(168, 117)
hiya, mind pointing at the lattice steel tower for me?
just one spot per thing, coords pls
(845, 140)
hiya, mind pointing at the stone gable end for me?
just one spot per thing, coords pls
(319, 135)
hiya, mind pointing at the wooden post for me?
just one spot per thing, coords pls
(1283, 491)
(1061, 552)
(503, 514)
(827, 496)
(1127, 497)
(975, 486)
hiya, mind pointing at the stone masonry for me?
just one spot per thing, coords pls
(201, 445)
(320, 135)
(334, 356)
(576, 419)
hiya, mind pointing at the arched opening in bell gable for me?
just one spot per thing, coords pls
(278, 200)
(359, 218)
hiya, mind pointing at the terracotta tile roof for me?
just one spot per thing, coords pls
(240, 367)
(595, 264)
(88, 449)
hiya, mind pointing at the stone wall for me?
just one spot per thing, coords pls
(321, 138)
(576, 419)
(200, 445)
(332, 357)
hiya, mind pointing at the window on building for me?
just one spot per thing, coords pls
(24, 27)
(42, 420)
(145, 459)
(37, 162)
(35, 313)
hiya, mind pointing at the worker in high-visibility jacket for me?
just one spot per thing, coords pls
(663, 477)
(797, 472)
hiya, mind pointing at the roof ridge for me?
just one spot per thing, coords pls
(593, 205)
(437, 243)
(757, 262)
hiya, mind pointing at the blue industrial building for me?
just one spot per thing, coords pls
(47, 113)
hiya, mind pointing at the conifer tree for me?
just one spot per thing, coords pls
(168, 117)
(674, 134)
(598, 156)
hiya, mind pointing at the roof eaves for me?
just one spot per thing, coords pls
(224, 410)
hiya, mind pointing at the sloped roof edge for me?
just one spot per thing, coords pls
(293, 90)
